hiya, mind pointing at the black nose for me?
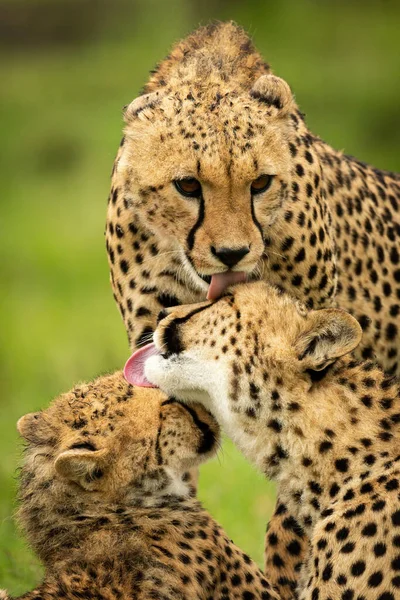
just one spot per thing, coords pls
(230, 256)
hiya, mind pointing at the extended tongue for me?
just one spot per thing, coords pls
(134, 368)
(221, 281)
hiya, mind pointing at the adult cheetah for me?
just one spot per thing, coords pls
(217, 172)
(106, 504)
(218, 178)
(280, 380)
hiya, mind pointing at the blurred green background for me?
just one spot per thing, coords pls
(67, 68)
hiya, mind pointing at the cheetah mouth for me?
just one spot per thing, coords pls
(134, 367)
(219, 282)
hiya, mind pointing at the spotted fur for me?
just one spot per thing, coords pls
(107, 506)
(283, 383)
(327, 230)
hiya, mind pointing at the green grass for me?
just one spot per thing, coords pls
(60, 120)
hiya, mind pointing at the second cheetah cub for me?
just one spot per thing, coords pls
(106, 503)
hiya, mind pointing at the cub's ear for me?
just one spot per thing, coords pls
(82, 466)
(142, 106)
(331, 333)
(274, 92)
(35, 429)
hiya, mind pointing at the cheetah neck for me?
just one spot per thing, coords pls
(63, 529)
(343, 435)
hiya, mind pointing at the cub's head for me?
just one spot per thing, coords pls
(239, 354)
(208, 168)
(105, 444)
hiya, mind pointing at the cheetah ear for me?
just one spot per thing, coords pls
(35, 429)
(274, 92)
(82, 466)
(331, 333)
(142, 106)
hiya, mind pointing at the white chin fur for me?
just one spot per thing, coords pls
(153, 369)
(176, 376)
(190, 380)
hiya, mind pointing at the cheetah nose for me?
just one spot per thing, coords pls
(230, 256)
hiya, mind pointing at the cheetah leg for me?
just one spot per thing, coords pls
(286, 546)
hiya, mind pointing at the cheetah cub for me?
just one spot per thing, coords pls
(281, 382)
(106, 505)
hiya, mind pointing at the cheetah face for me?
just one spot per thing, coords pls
(209, 171)
(110, 442)
(233, 355)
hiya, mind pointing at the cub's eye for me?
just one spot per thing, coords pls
(188, 187)
(261, 184)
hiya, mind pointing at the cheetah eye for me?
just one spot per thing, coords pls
(261, 184)
(189, 186)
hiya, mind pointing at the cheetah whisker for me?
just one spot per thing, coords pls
(147, 339)
(284, 258)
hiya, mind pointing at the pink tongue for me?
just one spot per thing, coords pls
(221, 281)
(134, 368)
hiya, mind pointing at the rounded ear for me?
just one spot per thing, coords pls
(35, 429)
(84, 467)
(274, 92)
(194, 427)
(332, 333)
(141, 107)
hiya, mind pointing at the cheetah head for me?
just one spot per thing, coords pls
(246, 352)
(208, 169)
(106, 444)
